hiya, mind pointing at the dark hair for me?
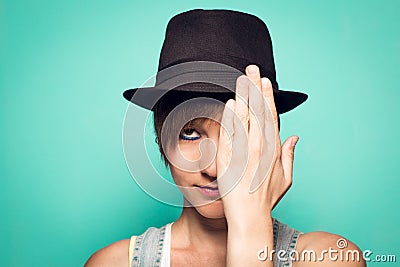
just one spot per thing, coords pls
(182, 112)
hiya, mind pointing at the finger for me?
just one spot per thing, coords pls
(241, 103)
(240, 143)
(226, 166)
(270, 136)
(226, 133)
(288, 156)
(266, 162)
(268, 94)
(241, 119)
(255, 90)
(253, 72)
(257, 118)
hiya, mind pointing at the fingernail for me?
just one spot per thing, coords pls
(295, 140)
(253, 69)
(242, 80)
(264, 82)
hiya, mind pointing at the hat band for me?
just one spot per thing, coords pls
(198, 72)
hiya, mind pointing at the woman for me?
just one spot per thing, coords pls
(227, 159)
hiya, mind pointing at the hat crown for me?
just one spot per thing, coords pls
(202, 39)
(225, 36)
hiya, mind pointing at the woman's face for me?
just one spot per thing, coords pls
(193, 166)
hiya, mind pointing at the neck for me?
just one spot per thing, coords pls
(194, 231)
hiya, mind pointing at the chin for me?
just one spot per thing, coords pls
(214, 210)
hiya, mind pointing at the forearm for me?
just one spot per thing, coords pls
(245, 240)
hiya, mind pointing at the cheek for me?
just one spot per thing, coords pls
(178, 176)
(189, 151)
(185, 157)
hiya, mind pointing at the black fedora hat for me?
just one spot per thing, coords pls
(204, 51)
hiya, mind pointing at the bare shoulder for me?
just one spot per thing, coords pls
(327, 249)
(115, 254)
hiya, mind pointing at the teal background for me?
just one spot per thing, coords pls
(65, 188)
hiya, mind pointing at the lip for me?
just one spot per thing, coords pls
(209, 191)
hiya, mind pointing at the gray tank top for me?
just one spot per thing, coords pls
(149, 245)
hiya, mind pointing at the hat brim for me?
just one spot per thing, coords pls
(147, 97)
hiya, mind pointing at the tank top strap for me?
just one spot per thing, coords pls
(148, 248)
(285, 240)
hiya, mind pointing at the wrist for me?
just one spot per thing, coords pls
(251, 225)
(244, 222)
(247, 239)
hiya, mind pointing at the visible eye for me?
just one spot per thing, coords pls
(189, 134)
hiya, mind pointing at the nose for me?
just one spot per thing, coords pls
(211, 170)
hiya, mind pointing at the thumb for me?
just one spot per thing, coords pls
(288, 155)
